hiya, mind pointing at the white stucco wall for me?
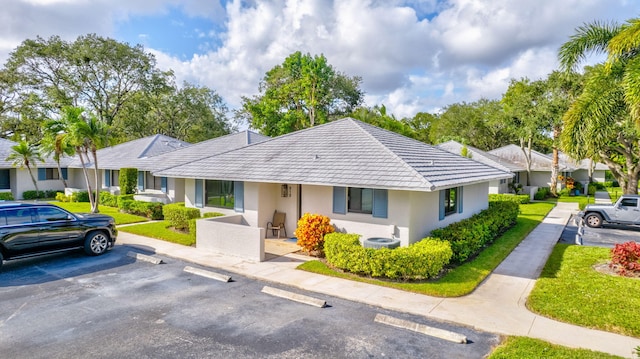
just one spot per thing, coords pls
(21, 181)
(540, 179)
(231, 235)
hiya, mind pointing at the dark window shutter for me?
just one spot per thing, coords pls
(340, 200)
(163, 184)
(441, 205)
(238, 196)
(380, 203)
(107, 178)
(42, 174)
(199, 194)
(65, 173)
(460, 199)
(140, 181)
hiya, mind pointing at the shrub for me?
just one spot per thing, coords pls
(6, 196)
(542, 193)
(212, 214)
(311, 231)
(152, 210)
(178, 215)
(128, 180)
(80, 196)
(469, 236)
(625, 258)
(518, 198)
(591, 190)
(610, 184)
(32, 194)
(421, 260)
(108, 199)
(62, 197)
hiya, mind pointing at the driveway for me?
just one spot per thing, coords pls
(607, 236)
(74, 306)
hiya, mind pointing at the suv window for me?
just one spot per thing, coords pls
(18, 216)
(629, 202)
(49, 214)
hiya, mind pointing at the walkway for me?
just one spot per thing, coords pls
(602, 197)
(497, 305)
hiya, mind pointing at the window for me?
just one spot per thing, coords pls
(45, 174)
(450, 201)
(5, 182)
(219, 194)
(360, 200)
(47, 214)
(18, 216)
(153, 182)
(503, 181)
(629, 202)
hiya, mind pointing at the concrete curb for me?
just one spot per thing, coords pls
(421, 328)
(294, 296)
(145, 258)
(207, 274)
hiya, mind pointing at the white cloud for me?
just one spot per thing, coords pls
(412, 55)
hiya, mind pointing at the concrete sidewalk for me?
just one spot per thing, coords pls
(497, 305)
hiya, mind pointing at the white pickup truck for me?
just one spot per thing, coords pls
(624, 211)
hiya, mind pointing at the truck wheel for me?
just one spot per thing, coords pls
(96, 243)
(593, 220)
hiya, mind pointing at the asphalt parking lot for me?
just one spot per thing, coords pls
(606, 236)
(74, 306)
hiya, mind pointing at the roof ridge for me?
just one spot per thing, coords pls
(386, 148)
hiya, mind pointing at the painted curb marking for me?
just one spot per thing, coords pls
(145, 258)
(295, 297)
(208, 274)
(421, 328)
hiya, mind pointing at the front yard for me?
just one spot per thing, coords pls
(85, 207)
(466, 277)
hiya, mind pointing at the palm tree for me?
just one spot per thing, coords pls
(53, 143)
(24, 155)
(86, 136)
(603, 122)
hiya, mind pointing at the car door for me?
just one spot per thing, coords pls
(58, 228)
(627, 211)
(18, 231)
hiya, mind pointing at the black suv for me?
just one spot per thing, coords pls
(29, 229)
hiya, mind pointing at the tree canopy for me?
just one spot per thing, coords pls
(302, 92)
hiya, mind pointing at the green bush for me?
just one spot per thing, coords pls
(518, 198)
(107, 199)
(591, 190)
(179, 215)
(6, 196)
(565, 192)
(212, 214)
(121, 198)
(610, 184)
(80, 196)
(62, 197)
(469, 236)
(152, 210)
(128, 180)
(32, 194)
(421, 260)
(542, 193)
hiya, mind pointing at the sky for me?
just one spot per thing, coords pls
(412, 55)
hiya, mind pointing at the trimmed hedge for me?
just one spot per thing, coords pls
(128, 180)
(107, 199)
(542, 193)
(518, 198)
(179, 215)
(6, 196)
(39, 194)
(469, 236)
(152, 210)
(421, 260)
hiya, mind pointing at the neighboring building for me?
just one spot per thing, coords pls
(367, 180)
(18, 180)
(585, 169)
(495, 186)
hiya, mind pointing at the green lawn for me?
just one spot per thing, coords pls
(160, 230)
(85, 207)
(465, 278)
(614, 193)
(570, 290)
(528, 348)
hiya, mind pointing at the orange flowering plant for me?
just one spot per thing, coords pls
(310, 232)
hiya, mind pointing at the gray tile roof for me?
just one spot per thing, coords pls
(539, 161)
(342, 153)
(203, 149)
(5, 150)
(582, 164)
(482, 156)
(134, 153)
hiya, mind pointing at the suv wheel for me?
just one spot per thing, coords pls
(96, 243)
(593, 220)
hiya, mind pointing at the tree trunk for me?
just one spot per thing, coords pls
(86, 176)
(96, 201)
(554, 166)
(527, 157)
(64, 182)
(33, 179)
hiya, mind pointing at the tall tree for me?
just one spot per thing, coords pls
(603, 122)
(379, 117)
(53, 144)
(302, 92)
(24, 154)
